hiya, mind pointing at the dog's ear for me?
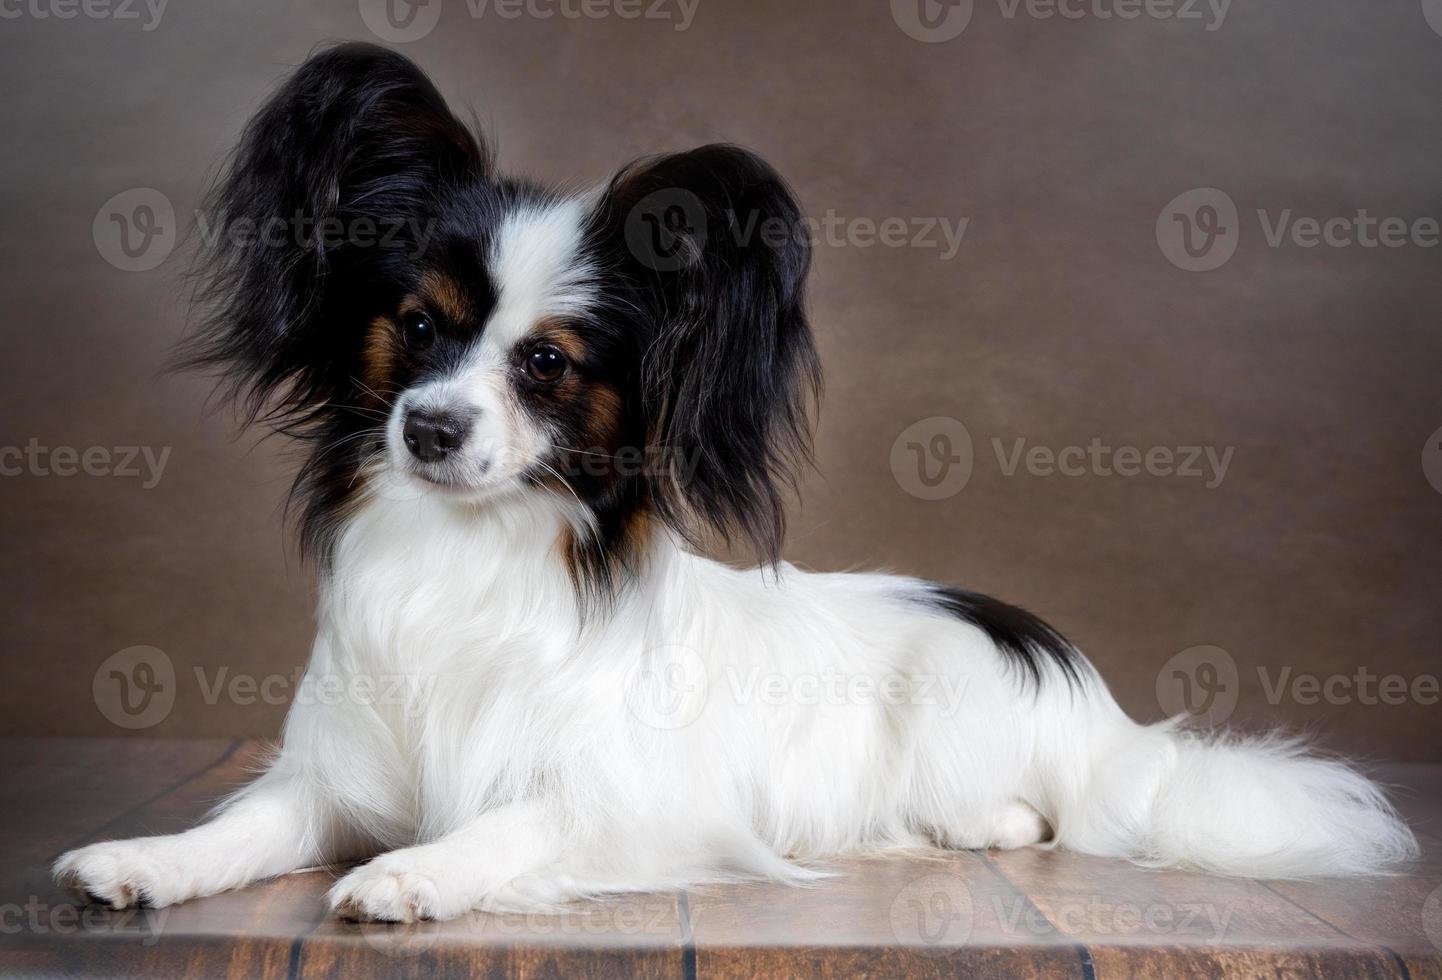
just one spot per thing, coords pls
(713, 254)
(332, 191)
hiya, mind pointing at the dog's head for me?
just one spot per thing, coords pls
(639, 354)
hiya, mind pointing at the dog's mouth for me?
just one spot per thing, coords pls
(443, 479)
(438, 480)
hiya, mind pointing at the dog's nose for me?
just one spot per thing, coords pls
(431, 437)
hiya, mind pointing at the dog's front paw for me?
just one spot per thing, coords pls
(119, 874)
(397, 888)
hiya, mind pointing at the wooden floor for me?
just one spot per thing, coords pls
(1023, 913)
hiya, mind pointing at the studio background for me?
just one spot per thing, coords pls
(1069, 311)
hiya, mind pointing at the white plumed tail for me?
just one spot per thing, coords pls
(1259, 807)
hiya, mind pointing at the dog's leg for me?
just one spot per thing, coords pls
(452, 875)
(267, 830)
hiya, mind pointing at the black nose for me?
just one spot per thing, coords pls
(431, 437)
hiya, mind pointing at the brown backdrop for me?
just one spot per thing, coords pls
(1063, 317)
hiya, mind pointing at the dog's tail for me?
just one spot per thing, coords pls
(1260, 807)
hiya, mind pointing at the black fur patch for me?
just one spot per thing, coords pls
(704, 253)
(1025, 641)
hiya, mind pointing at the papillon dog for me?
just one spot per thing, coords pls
(526, 414)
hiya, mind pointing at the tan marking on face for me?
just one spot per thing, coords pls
(379, 357)
(603, 425)
(602, 401)
(443, 294)
(561, 335)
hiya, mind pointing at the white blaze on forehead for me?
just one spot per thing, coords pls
(537, 268)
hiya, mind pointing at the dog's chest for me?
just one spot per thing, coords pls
(422, 589)
(440, 636)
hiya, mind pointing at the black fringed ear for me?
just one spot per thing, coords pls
(713, 254)
(330, 195)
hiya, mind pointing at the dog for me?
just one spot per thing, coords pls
(526, 415)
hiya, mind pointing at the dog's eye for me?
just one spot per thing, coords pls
(417, 331)
(545, 363)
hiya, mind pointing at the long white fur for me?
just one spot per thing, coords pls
(516, 754)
